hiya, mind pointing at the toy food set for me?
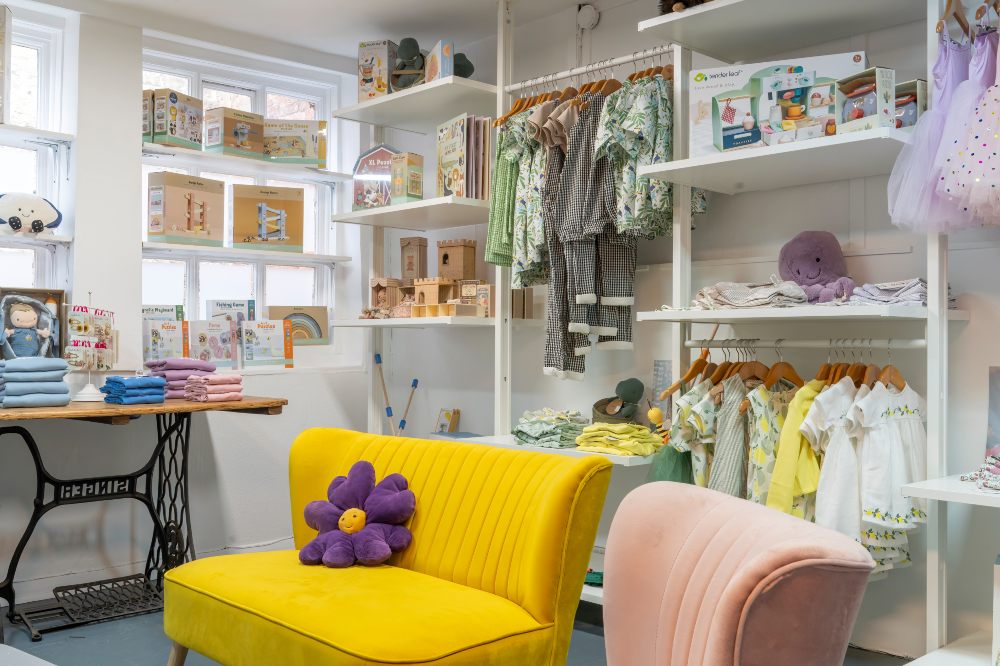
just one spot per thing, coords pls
(375, 63)
(457, 259)
(90, 338)
(268, 217)
(296, 141)
(407, 172)
(373, 178)
(147, 115)
(310, 323)
(267, 342)
(186, 209)
(413, 258)
(215, 341)
(911, 102)
(440, 61)
(167, 339)
(740, 106)
(866, 100)
(463, 150)
(177, 119)
(6, 35)
(234, 132)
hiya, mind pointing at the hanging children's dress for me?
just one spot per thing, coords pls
(950, 165)
(765, 416)
(796, 470)
(729, 463)
(684, 437)
(913, 199)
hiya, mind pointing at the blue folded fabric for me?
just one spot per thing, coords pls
(36, 400)
(135, 382)
(27, 388)
(47, 376)
(113, 390)
(134, 399)
(34, 364)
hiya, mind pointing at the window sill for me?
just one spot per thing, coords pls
(318, 370)
(20, 240)
(154, 249)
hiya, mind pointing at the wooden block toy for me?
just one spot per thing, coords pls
(431, 291)
(457, 259)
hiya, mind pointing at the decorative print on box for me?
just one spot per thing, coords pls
(214, 340)
(866, 100)
(373, 178)
(177, 119)
(234, 132)
(147, 116)
(267, 342)
(440, 61)
(90, 338)
(167, 339)
(310, 323)
(31, 323)
(186, 209)
(268, 218)
(296, 141)
(376, 60)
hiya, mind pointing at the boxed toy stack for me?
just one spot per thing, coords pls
(267, 342)
(186, 209)
(215, 341)
(295, 142)
(152, 316)
(375, 63)
(373, 178)
(867, 100)
(234, 132)
(177, 119)
(167, 339)
(440, 61)
(6, 30)
(464, 146)
(911, 102)
(268, 217)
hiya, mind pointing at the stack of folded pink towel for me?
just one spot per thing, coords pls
(214, 388)
(177, 370)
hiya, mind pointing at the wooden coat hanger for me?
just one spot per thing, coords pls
(708, 371)
(823, 374)
(721, 372)
(782, 370)
(984, 9)
(954, 9)
(890, 374)
(689, 375)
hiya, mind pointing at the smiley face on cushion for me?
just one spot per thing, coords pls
(27, 213)
(815, 261)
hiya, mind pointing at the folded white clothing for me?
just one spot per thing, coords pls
(775, 293)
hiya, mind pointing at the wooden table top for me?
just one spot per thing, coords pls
(102, 412)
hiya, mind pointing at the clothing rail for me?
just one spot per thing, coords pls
(832, 345)
(593, 67)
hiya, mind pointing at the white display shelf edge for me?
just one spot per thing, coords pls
(764, 168)
(30, 137)
(231, 254)
(973, 650)
(510, 442)
(425, 106)
(799, 313)
(245, 165)
(425, 215)
(752, 30)
(433, 322)
(21, 240)
(594, 595)
(951, 489)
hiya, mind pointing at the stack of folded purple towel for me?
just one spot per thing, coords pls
(177, 370)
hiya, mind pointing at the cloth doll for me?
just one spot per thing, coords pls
(23, 334)
(361, 522)
(815, 261)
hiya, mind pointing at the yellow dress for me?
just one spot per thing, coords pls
(796, 469)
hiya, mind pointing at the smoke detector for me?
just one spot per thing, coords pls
(587, 17)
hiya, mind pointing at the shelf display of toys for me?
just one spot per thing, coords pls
(457, 259)
(375, 60)
(770, 103)
(267, 343)
(234, 132)
(385, 67)
(433, 291)
(28, 215)
(296, 142)
(407, 173)
(373, 178)
(413, 258)
(867, 100)
(177, 119)
(147, 116)
(409, 66)
(271, 216)
(185, 209)
(215, 341)
(911, 102)
(310, 323)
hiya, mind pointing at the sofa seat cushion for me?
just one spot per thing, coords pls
(267, 608)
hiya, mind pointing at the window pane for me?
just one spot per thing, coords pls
(290, 285)
(218, 280)
(309, 212)
(164, 282)
(216, 97)
(146, 170)
(152, 79)
(18, 170)
(23, 86)
(17, 268)
(229, 180)
(287, 107)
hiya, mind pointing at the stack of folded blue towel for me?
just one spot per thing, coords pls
(33, 381)
(134, 390)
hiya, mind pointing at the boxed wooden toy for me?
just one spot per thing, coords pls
(186, 209)
(376, 61)
(373, 178)
(267, 217)
(167, 339)
(866, 100)
(215, 341)
(6, 35)
(407, 172)
(296, 141)
(310, 323)
(457, 259)
(147, 115)
(413, 258)
(267, 342)
(177, 119)
(911, 102)
(234, 132)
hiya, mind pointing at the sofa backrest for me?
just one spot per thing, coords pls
(503, 521)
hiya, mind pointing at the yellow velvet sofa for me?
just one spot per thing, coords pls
(501, 542)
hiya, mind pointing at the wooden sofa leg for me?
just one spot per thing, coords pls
(178, 654)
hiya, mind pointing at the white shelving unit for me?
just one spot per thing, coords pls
(972, 650)
(229, 253)
(420, 322)
(804, 313)
(30, 137)
(22, 240)
(425, 215)
(952, 489)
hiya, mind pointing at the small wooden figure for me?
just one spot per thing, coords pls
(457, 259)
(413, 258)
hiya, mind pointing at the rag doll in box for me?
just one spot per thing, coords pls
(815, 261)
(27, 328)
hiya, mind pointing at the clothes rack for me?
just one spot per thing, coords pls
(834, 345)
(637, 56)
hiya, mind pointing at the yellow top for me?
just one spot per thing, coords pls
(796, 469)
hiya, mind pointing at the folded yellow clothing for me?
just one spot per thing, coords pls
(620, 449)
(619, 439)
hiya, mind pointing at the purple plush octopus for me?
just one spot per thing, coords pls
(815, 261)
(361, 522)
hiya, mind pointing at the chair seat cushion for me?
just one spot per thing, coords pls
(267, 608)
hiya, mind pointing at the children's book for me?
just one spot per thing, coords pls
(167, 339)
(451, 157)
(215, 341)
(90, 338)
(267, 342)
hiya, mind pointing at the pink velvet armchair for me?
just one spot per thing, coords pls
(694, 577)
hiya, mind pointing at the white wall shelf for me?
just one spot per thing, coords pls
(425, 215)
(951, 489)
(235, 254)
(804, 313)
(177, 156)
(510, 442)
(423, 107)
(433, 322)
(822, 160)
(752, 30)
(24, 240)
(30, 137)
(972, 650)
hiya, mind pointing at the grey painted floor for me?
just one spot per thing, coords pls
(139, 641)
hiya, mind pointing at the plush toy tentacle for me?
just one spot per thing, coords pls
(340, 550)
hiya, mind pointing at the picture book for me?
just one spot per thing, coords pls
(310, 323)
(167, 339)
(267, 342)
(451, 157)
(90, 338)
(214, 340)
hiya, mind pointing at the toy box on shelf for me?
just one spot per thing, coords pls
(432, 291)
(268, 217)
(296, 142)
(177, 119)
(413, 258)
(186, 209)
(6, 35)
(267, 343)
(167, 339)
(375, 62)
(407, 171)
(866, 100)
(147, 115)
(215, 341)
(373, 178)
(310, 323)
(457, 259)
(440, 61)
(911, 102)
(467, 290)
(234, 132)
(740, 106)
(385, 292)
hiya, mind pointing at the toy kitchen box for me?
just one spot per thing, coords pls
(740, 106)
(268, 218)
(295, 142)
(186, 209)
(234, 132)
(376, 61)
(177, 119)
(866, 100)
(911, 102)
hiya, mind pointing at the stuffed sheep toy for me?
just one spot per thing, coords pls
(27, 213)
(815, 261)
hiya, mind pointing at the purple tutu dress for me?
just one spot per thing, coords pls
(912, 194)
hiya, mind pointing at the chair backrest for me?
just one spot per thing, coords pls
(693, 576)
(517, 524)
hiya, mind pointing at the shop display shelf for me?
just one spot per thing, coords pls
(509, 442)
(425, 215)
(175, 155)
(973, 650)
(951, 489)
(423, 107)
(804, 313)
(15, 241)
(31, 137)
(753, 30)
(594, 595)
(418, 322)
(232, 254)
(826, 159)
